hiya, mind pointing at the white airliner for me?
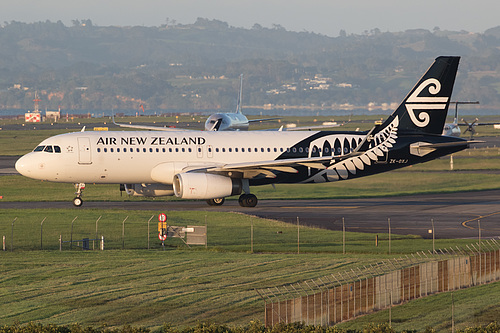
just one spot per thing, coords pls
(214, 165)
(231, 121)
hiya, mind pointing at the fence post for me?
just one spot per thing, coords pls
(251, 236)
(102, 243)
(148, 228)
(298, 236)
(12, 236)
(123, 233)
(60, 242)
(343, 236)
(41, 233)
(4, 243)
(96, 231)
(71, 240)
(389, 222)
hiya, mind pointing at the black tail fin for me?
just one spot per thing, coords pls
(426, 106)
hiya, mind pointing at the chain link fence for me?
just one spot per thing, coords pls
(347, 295)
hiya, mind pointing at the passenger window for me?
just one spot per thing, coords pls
(57, 149)
(163, 149)
(124, 150)
(235, 150)
(183, 150)
(169, 150)
(216, 150)
(48, 149)
(143, 150)
(105, 150)
(111, 149)
(230, 150)
(242, 150)
(223, 150)
(157, 150)
(150, 150)
(39, 148)
(98, 150)
(268, 150)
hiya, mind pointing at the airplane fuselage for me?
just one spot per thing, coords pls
(118, 157)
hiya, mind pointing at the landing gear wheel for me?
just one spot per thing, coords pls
(216, 201)
(247, 200)
(77, 201)
(79, 189)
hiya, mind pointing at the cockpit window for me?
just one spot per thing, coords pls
(48, 149)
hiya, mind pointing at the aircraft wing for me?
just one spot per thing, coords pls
(264, 119)
(266, 168)
(152, 128)
(146, 127)
(308, 128)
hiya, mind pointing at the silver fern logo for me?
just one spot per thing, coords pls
(415, 102)
(384, 140)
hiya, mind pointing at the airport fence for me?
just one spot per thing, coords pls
(343, 296)
(92, 230)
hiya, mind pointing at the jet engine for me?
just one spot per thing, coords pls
(147, 190)
(197, 185)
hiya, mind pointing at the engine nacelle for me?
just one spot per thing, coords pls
(197, 185)
(148, 190)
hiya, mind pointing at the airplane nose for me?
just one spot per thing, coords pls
(21, 166)
(24, 166)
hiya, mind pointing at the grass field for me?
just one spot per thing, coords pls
(183, 286)
(149, 288)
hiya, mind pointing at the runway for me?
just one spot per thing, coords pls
(455, 215)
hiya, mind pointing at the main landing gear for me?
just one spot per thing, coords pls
(216, 201)
(247, 200)
(77, 201)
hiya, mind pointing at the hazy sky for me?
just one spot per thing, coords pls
(321, 16)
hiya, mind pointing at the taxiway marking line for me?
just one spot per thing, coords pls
(321, 207)
(464, 223)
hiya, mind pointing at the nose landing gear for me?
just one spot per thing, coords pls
(77, 201)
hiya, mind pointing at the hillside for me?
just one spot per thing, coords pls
(196, 66)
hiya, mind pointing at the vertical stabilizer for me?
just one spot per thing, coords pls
(238, 103)
(426, 106)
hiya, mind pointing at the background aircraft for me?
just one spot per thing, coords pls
(232, 121)
(453, 129)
